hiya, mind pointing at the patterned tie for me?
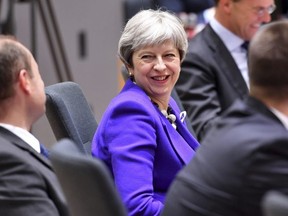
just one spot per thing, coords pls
(44, 151)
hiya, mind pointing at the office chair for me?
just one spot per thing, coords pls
(70, 115)
(275, 204)
(86, 182)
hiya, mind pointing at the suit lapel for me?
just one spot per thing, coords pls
(178, 143)
(226, 62)
(8, 135)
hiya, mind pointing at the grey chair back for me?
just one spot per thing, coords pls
(275, 204)
(70, 115)
(86, 182)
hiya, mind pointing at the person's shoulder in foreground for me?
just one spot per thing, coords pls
(141, 136)
(214, 72)
(245, 153)
(28, 185)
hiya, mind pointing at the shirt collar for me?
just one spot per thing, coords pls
(24, 135)
(283, 118)
(230, 40)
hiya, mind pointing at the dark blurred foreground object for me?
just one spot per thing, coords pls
(275, 204)
(86, 182)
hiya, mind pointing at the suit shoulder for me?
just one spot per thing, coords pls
(131, 100)
(254, 125)
(197, 44)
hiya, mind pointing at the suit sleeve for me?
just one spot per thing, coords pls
(22, 189)
(132, 142)
(197, 91)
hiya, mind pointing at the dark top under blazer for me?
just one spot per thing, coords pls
(142, 149)
(210, 80)
(28, 185)
(243, 156)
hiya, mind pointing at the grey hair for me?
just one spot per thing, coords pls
(148, 28)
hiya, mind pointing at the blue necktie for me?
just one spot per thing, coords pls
(44, 151)
(245, 45)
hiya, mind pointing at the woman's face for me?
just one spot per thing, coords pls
(156, 70)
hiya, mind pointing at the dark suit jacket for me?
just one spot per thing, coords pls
(242, 157)
(28, 185)
(142, 149)
(210, 80)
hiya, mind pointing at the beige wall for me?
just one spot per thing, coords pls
(98, 72)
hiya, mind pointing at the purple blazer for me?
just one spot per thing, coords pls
(142, 149)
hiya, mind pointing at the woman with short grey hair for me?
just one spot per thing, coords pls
(151, 27)
(142, 136)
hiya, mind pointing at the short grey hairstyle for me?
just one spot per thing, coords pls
(151, 27)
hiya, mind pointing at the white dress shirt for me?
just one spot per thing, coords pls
(24, 135)
(282, 117)
(233, 44)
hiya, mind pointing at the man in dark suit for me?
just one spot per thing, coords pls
(214, 72)
(245, 154)
(28, 185)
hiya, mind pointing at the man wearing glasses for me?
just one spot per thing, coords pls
(244, 155)
(214, 72)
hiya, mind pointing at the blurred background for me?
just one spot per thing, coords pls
(71, 40)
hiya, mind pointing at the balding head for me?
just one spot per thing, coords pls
(13, 57)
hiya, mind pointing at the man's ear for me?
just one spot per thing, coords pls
(24, 81)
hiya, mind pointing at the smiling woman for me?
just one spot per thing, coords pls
(156, 69)
(141, 136)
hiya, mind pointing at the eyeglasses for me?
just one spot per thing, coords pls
(260, 11)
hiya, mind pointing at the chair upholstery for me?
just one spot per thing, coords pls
(86, 182)
(275, 204)
(70, 115)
